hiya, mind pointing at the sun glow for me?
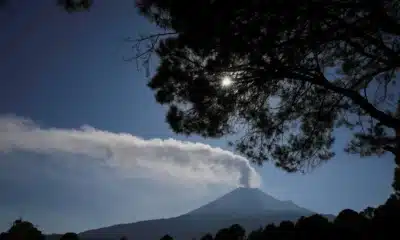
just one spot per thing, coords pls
(226, 81)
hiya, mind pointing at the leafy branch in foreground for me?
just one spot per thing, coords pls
(297, 74)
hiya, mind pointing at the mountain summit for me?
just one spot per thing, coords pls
(249, 207)
(243, 202)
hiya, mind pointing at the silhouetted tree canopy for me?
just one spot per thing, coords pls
(222, 234)
(3, 236)
(234, 232)
(305, 227)
(350, 224)
(166, 237)
(368, 212)
(256, 235)
(70, 236)
(237, 232)
(296, 74)
(22, 230)
(208, 236)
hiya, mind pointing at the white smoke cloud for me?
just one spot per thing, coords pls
(153, 158)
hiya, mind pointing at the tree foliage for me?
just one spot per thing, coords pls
(70, 236)
(166, 237)
(22, 230)
(234, 232)
(298, 73)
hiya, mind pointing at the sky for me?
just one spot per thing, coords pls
(83, 144)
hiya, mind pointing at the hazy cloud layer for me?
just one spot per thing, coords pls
(154, 158)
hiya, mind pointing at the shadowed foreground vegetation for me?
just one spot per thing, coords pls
(372, 223)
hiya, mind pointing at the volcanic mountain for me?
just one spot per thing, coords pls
(249, 207)
(245, 202)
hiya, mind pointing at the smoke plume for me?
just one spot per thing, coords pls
(135, 156)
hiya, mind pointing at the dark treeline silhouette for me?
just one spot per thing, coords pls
(22, 230)
(371, 224)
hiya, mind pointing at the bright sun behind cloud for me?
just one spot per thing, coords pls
(226, 81)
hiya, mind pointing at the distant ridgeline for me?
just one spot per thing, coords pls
(372, 223)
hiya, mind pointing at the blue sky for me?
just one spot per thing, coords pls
(60, 72)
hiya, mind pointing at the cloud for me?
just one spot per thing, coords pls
(153, 158)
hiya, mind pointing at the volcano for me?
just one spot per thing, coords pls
(249, 207)
(244, 202)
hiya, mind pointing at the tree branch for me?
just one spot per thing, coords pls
(390, 149)
(382, 117)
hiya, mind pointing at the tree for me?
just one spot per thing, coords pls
(208, 236)
(167, 237)
(23, 230)
(70, 236)
(3, 236)
(222, 234)
(387, 217)
(350, 224)
(256, 235)
(313, 227)
(271, 232)
(369, 212)
(282, 79)
(287, 230)
(236, 232)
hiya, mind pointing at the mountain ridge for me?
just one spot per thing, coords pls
(249, 207)
(232, 202)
